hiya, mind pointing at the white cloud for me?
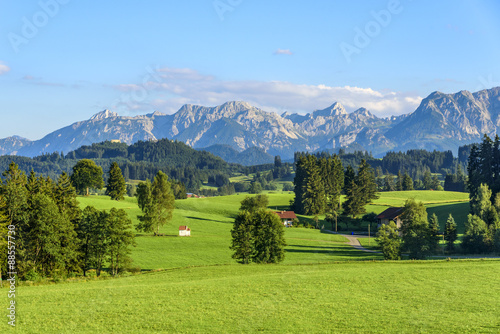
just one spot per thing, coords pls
(4, 68)
(283, 52)
(171, 88)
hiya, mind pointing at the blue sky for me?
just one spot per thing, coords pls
(62, 61)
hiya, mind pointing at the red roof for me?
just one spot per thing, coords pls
(286, 214)
(391, 213)
(183, 228)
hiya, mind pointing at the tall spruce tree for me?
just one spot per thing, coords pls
(16, 210)
(407, 182)
(450, 234)
(434, 232)
(399, 182)
(361, 191)
(427, 180)
(116, 187)
(389, 184)
(365, 180)
(65, 197)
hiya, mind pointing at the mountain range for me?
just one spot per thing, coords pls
(441, 122)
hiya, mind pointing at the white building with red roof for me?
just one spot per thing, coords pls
(184, 231)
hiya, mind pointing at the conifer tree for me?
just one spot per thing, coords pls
(389, 184)
(407, 182)
(450, 234)
(427, 180)
(361, 191)
(16, 210)
(399, 182)
(116, 187)
(65, 197)
(434, 232)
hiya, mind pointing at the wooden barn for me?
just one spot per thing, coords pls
(390, 214)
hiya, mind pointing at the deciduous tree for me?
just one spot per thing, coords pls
(157, 203)
(86, 174)
(389, 241)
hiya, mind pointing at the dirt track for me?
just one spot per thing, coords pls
(354, 242)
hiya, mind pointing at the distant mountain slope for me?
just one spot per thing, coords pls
(445, 121)
(442, 121)
(12, 145)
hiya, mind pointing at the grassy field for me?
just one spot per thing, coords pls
(210, 220)
(323, 285)
(349, 297)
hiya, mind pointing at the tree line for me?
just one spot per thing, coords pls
(319, 183)
(54, 237)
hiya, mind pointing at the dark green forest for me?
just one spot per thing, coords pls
(142, 160)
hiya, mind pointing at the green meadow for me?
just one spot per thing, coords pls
(191, 284)
(347, 297)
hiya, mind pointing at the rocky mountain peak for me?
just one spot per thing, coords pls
(363, 112)
(104, 114)
(335, 109)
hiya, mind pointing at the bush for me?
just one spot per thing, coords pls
(32, 276)
(134, 269)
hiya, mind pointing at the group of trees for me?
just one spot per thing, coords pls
(418, 235)
(482, 231)
(360, 189)
(257, 233)
(53, 236)
(403, 182)
(319, 183)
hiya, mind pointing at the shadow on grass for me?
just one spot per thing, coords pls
(205, 219)
(304, 246)
(334, 251)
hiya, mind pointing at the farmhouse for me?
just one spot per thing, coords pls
(184, 231)
(391, 214)
(286, 217)
(191, 195)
